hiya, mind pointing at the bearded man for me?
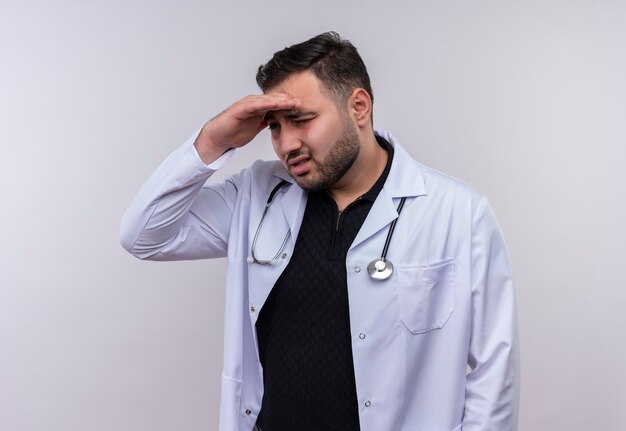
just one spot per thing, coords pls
(365, 291)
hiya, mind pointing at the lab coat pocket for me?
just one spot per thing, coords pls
(426, 294)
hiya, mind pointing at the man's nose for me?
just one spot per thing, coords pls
(288, 141)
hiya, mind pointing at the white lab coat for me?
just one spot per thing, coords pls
(434, 347)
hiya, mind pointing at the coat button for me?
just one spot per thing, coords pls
(248, 411)
(362, 336)
(367, 404)
(357, 269)
(252, 309)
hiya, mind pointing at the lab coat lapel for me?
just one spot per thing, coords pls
(404, 180)
(381, 214)
(293, 205)
(286, 212)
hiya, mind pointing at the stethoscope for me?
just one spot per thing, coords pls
(379, 269)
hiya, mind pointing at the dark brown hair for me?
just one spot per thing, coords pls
(333, 60)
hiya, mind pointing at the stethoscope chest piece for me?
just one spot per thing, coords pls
(380, 269)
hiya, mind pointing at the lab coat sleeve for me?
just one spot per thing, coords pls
(174, 217)
(492, 388)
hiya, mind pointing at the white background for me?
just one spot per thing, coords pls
(524, 100)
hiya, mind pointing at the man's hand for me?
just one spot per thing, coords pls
(239, 124)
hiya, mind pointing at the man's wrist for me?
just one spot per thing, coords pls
(207, 149)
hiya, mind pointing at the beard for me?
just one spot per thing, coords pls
(337, 162)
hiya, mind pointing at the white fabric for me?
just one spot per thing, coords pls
(435, 346)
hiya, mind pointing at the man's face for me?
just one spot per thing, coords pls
(317, 143)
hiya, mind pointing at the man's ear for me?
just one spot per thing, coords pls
(360, 106)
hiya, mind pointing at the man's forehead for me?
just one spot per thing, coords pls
(303, 85)
(295, 81)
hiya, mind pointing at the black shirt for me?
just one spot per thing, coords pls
(303, 329)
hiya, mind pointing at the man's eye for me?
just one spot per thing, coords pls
(272, 126)
(303, 121)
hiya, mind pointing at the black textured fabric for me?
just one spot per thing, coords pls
(303, 329)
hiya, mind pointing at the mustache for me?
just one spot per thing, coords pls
(297, 153)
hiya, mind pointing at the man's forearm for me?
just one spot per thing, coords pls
(161, 209)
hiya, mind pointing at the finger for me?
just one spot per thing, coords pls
(260, 107)
(263, 104)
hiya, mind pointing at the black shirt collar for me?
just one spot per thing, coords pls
(373, 192)
(378, 185)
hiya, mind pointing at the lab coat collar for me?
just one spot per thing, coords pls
(405, 177)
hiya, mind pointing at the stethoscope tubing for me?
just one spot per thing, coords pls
(270, 199)
(376, 274)
(383, 256)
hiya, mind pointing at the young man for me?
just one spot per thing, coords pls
(365, 291)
